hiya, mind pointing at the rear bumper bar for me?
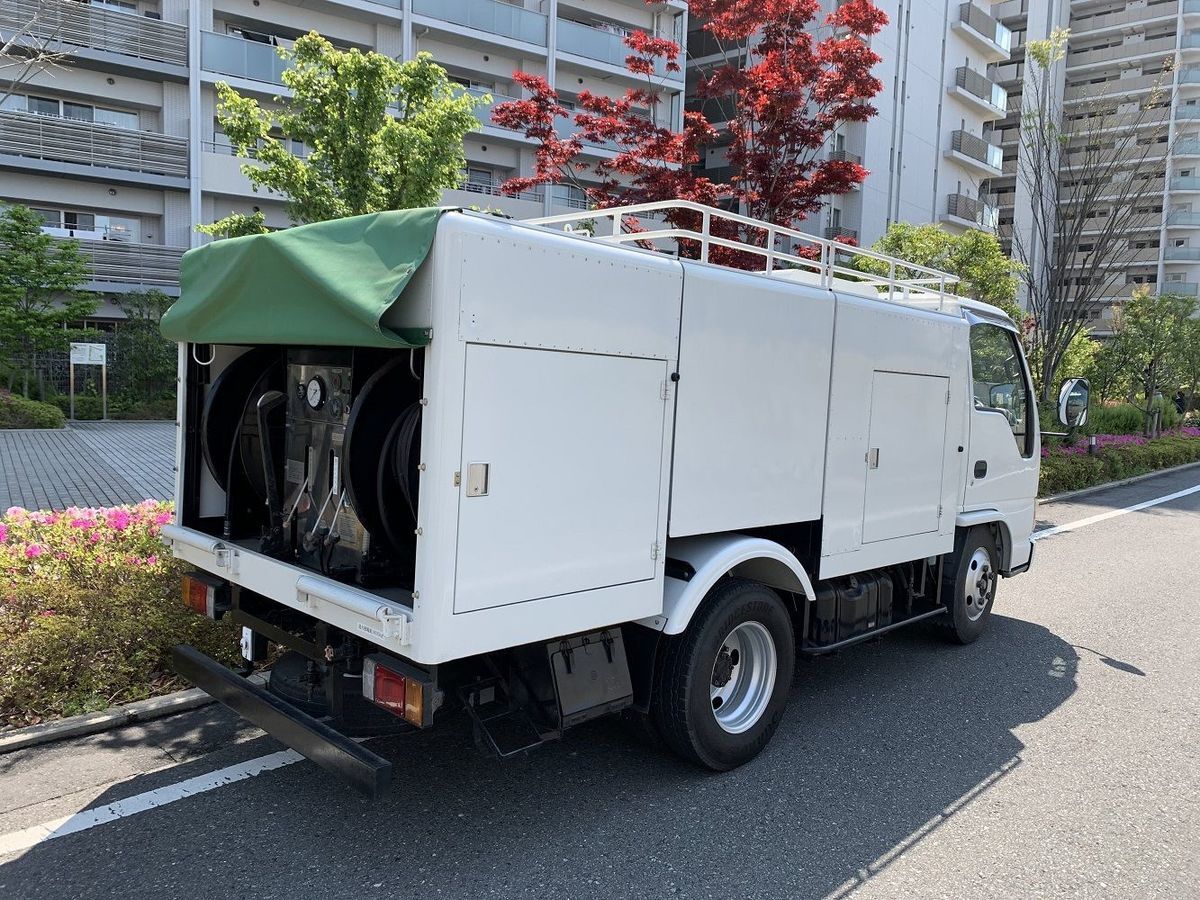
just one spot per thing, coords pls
(329, 749)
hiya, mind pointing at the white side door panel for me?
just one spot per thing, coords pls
(904, 457)
(573, 445)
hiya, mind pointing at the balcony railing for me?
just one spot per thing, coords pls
(89, 144)
(1081, 24)
(978, 20)
(979, 86)
(1185, 183)
(226, 54)
(1186, 148)
(1187, 112)
(488, 15)
(493, 190)
(844, 156)
(1189, 75)
(1181, 287)
(1115, 86)
(1191, 6)
(118, 262)
(1088, 56)
(599, 44)
(1190, 40)
(1181, 254)
(80, 25)
(984, 214)
(977, 148)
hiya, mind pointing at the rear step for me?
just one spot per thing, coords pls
(365, 771)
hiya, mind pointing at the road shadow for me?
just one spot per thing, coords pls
(880, 746)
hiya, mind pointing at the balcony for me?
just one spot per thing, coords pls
(1191, 7)
(1103, 21)
(1183, 218)
(88, 144)
(1115, 87)
(1186, 148)
(1181, 254)
(1190, 288)
(971, 213)
(1187, 112)
(977, 90)
(1190, 40)
(989, 35)
(1128, 50)
(844, 156)
(117, 265)
(1185, 183)
(491, 16)
(226, 54)
(1189, 75)
(493, 190)
(976, 153)
(592, 42)
(80, 25)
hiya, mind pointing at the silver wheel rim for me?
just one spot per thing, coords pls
(743, 677)
(981, 579)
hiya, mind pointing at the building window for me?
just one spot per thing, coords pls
(69, 109)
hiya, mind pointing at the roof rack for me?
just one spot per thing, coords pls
(829, 269)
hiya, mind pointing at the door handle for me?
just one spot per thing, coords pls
(873, 458)
(980, 468)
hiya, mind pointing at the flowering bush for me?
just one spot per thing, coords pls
(1068, 468)
(89, 609)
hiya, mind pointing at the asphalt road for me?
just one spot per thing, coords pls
(1058, 756)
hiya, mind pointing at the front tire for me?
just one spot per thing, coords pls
(723, 684)
(970, 586)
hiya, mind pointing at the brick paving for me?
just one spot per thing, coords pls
(87, 464)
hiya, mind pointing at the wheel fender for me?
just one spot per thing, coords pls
(712, 557)
(975, 517)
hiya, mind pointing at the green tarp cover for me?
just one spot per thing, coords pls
(324, 284)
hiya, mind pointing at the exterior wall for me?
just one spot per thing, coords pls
(173, 94)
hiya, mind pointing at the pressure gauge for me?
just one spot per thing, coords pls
(314, 394)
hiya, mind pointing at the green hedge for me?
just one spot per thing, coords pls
(1069, 473)
(17, 412)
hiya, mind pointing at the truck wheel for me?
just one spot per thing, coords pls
(723, 683)
(970, 586)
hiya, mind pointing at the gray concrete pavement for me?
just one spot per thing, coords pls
(87, 464)
(1058, 756)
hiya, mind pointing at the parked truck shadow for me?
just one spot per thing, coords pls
(880, 746)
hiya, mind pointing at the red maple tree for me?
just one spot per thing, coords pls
(793, 90)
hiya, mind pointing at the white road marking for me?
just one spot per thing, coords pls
(89, 818)
(25, 838)
(1112, 514)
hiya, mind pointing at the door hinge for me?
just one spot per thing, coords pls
(655, 550)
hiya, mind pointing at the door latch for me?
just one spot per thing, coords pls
(873, 458)
(477, 479)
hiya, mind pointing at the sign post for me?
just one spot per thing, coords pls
(90, 355)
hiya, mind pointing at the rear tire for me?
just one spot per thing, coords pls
(723, 684)
(969, 589)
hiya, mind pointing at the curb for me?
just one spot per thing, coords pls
(1068, 495)
(115, 717)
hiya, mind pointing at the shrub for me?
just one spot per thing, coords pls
(89, 609)
(130, 408)
(17, 412)
(1119, 456)
(1124, 418)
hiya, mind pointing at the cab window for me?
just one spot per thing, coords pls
(999, 380)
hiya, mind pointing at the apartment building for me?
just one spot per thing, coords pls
(120, 147)
(926, 150)
(1118, 53)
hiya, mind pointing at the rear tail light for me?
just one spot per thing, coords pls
(205, 594)
(398, 688)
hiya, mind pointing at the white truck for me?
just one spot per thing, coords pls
(544, 471)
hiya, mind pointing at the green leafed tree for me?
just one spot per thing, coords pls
(378, 134)
(40, 298)
(144, 361)
(984, 271)
(1152, 329)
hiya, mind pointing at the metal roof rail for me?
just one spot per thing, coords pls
(829, 269)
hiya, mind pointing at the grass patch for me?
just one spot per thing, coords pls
(89, 609)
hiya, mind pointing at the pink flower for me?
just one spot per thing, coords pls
(164, 518)
(15, 512)
(3, 532)
(95, 537)
(33, 551)
(82, 523)
(118, 519)
(152, 560)
(46, 612)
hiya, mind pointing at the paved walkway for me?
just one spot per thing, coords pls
(87, 464)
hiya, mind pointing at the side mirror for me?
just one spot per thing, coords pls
(1073, 402)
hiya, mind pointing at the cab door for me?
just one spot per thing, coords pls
(1002, 463)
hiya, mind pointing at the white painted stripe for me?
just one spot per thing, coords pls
(1112, 514)
(16, 841)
